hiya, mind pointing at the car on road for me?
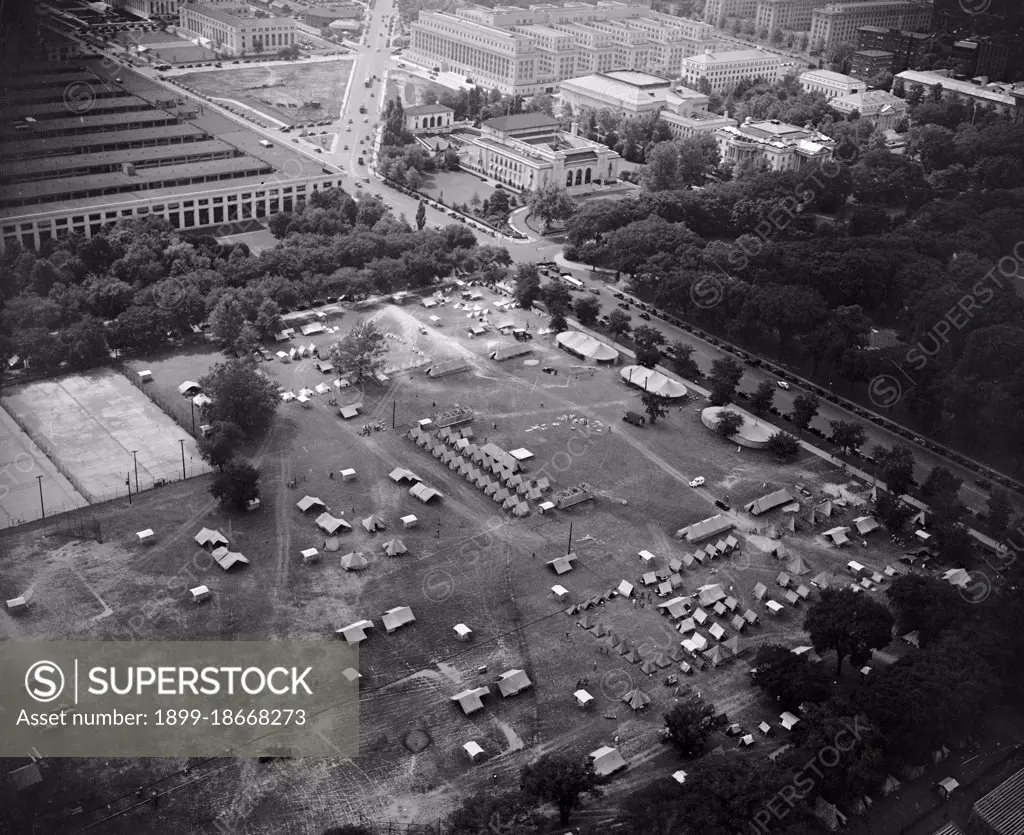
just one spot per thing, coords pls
(596, 291)
(646, 316)
(318, 150)
(698, 481)
(783, 385)
(624, 305)
(722, 505)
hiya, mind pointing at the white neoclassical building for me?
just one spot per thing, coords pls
(775, 144)
(530, 150)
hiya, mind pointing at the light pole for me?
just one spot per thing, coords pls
(42, 508)
(193, 404)
(135, 460)
(182, 442)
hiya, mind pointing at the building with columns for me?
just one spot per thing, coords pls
(830, 84)
(724, 70)
(837, 23)
(773, 144)
(428, 118)
(883, 109)
(530, 150)
(231, 31)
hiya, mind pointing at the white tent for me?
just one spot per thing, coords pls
(226, 559)
(331, 524)
(355, 633)
(625, 588)
(309, 502)
(207, 537)
(399, 616)
(423, 493)
(146, 535)
(354, 561)
(512, 682)
(373, 524)
(186, 388)
(583, 698)
(473, 750)
(462, 632)
(199, 594)
(471, 700)
(395, 547)
(711, 594)
(586, 347)
(607, 761)
(653, 381)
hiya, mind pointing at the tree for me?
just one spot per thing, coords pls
(647, 337)
(726, 374)
(226, 320)
(219, 443)
(682, 356)
(999, 511)
(847, 435)
(784, 446)
(687, 727)
(421, 215)
(557, 322)
(240, 396)
(560, 779)
(805, 408)
(85, 344)
(587, 309)
(786, 677)
(654, 405)
(728, 423)
(268, 319)
(360, 353)
(619, 322)
(527, 285)
(896, 466)
(505, 812)
(892, 511)
(236, 485)
(849, 623)
(551, 202)
(941, 482)
(762, 398)
(556, 297)
(141, 328)
(926, 605)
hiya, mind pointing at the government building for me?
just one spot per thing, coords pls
(530, 150)
(232, 32)
(524, 51)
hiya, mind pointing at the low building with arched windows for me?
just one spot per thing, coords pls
(429, 118)
(530, 150)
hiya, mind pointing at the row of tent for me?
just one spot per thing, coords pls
(218, 545)
(722, 547)
(509, 683)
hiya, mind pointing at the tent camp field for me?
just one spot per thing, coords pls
(468, 561)
(92, 424)
(21, 464)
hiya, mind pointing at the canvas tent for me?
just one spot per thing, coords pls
(824, 580)
(373, 523)
(710, 595)
(331, 524)
(226, 559)
(562, 564)
(395, 547)
(654, 382)
(607, 761)
(838, 536)
(209, 538)
(423, 493)
(769, 502)
(186, 388)
(865, 525)
(399, 616)
(512, 682)
(446, 367)
(797, 566)
(699, 531)
(310, 502)
(354, 561)
(625, 588)
(348, 412)
(586, 347)
(471, 700)
(637, 699)
(355, 633)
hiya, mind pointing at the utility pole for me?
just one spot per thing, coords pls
(128, 481)
(193, 421)
(394, 407)
(42, 508)
(135, 460)
(182, 442)
(568, 549)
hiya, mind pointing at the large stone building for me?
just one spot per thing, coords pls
(837, 23)
(907, 48)
(231, 31)
(882, 109)
(868, 63)
(634, 95)
(724, 70)
(428, 118)
(999, 96)
(716, 12)
(772, 144)
(530, 150)
(830, 84)
(791, 15)
(527, 51)
(152, 9)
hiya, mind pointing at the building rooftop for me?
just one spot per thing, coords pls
(638, 79)
(427, 109)
(867, 5)
(965, 88)
(829, 77)
(869, 100)
(36, 147)
(521, 121)
(213, 13)
(874, 53)
(610, 87)
(732, 56)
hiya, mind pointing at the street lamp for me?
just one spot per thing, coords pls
(42, 508)
(193, 404)
(182, 442)
(135, 460)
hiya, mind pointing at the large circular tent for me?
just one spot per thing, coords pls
(753, 433)
(586, 347)
(653, 381)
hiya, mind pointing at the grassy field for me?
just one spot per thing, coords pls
(468, 562)
(292, 93)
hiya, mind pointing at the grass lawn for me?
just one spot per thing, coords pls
(456, 187)
(292, 93)
(468, 562)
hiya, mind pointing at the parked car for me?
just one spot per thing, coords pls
(634, 419)
(722, 505)
(624, 305)
(646, 316)
(783, 385)
(698, 481)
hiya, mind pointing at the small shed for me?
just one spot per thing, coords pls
(409, 521)
(310, 556)
(146, 535)
(348, 412)
(463, 632)
(560, 592)
(473, 750)
(647, 557)
(348, 475)
(145, 376)
(583, 698)
(17, 605)
(199, 594)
